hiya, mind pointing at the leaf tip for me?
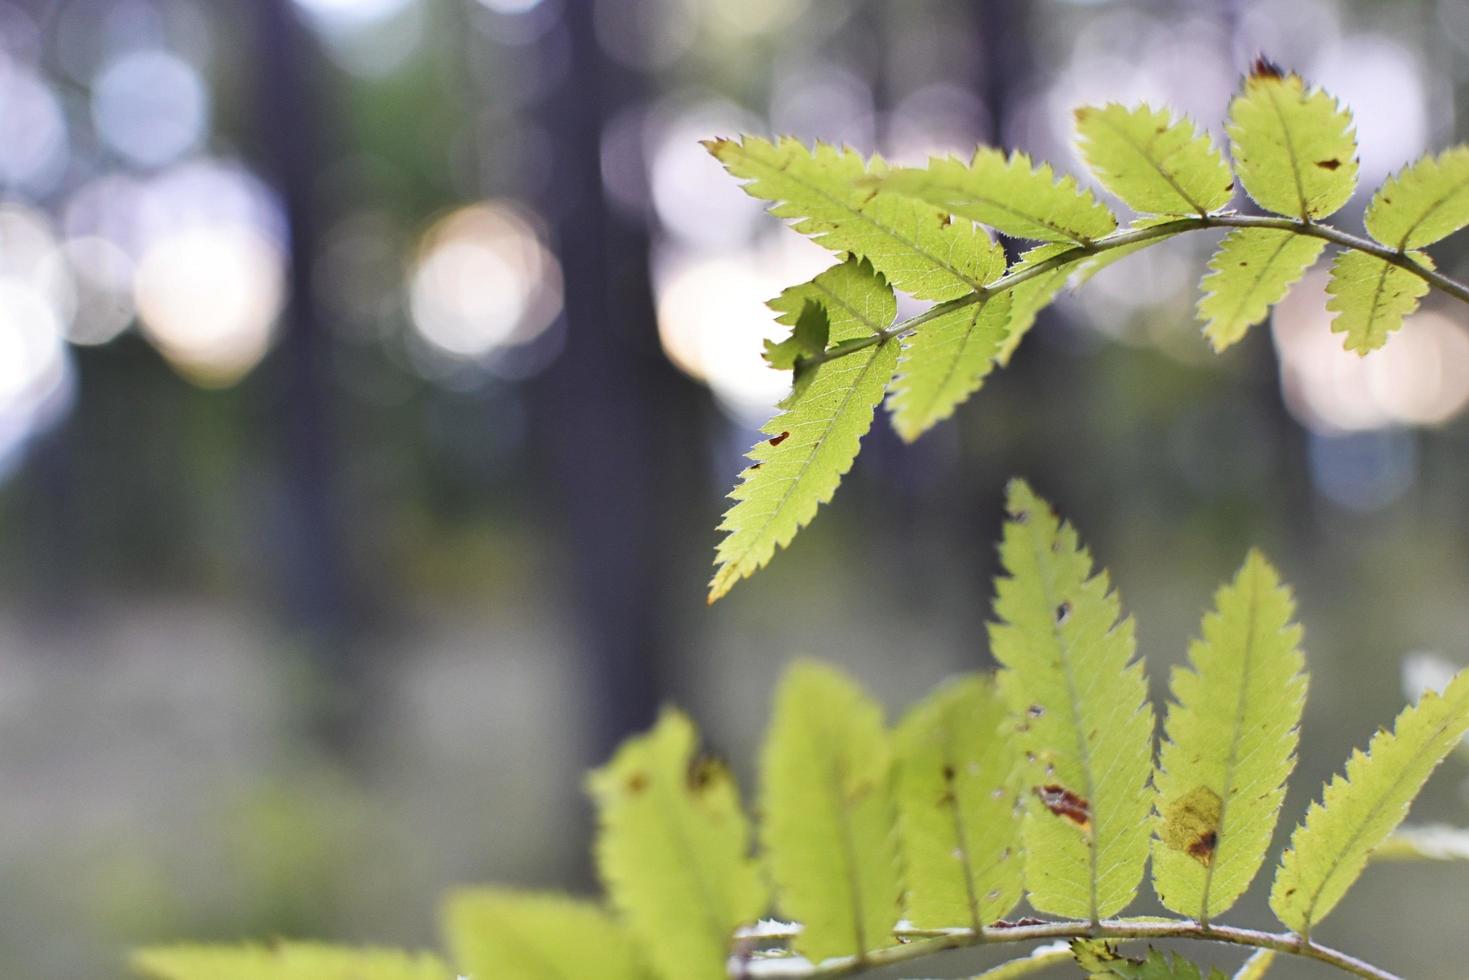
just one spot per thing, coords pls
(1263, 67)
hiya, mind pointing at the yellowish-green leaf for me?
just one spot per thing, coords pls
(1010, 194)
(285, 961)
(1294, 147)
(1256, 966)
(1425, 842)
(828, 193)
(1370, 297)
(673, 850)
(1040, 959)
(808, 338)
(857, 301)
(812, 443)
(1422, 203)
(958, 824)
(1230, 744)
(945, 361)
(1082, 717)
(512, 935)
(1358, 810)
(1252, 271)
(1156, 163)
(1034, 294)
(828, 827)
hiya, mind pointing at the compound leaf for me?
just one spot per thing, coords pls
(511, 935)
(673, 850)
(1252, 271)
(1361, 808)
(958, 824)
(808, 337)
(1082, 719)
(1010, 194)
(1294, 148)
(1370, 297)
(1422, 203)
(1230, 744)
(945, 361)
(828, 814)
(828, 193)
(284, 961)
(1156, 163)
(812, 443)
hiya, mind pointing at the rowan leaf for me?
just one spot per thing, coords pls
(1082, 717)
(512, 935)
(1011, 194)
(1362, 807)
(1294, 147)
(1252, 270)
(828, 194)
(1371, 296)
(1155, 162)
(945, 361)
(828, 829)
(1230, 741)
(284, 961)
(1423, 203)
(957, 790)
(672, 850)
(808, 337)
(811, 444)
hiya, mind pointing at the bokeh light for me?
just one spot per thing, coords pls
(33, 133)
(1421, 378)
(151, 107)
(482, 281)
(692, 195)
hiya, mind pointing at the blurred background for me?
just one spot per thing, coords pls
(371, 373)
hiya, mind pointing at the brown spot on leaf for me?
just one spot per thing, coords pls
(1066, 804)
(1035, 711)
(948, 774)
(636, 783)
(703, 770)
(1263, 67)
(1230, 188)
(1191, 824)
(1331, 164)
(756, 466)
(777, 440)
(1063, 613)
(1020, 516)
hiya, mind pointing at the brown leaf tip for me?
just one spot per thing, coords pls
(1263, 67)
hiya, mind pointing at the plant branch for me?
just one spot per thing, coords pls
(1154, 233)
(928, 942)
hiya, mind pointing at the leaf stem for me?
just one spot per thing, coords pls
(928, 942)
(1134, 236)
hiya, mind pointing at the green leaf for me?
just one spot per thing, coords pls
(1370, 297)
(1425, 842)
(1156, 163)
(1294, 148)
(1423, 203)
(812, 443)
(958, 825)
(828, 827)
(1252, 271)
(512, 935)
(1256, 966)
(1034, 294)
(1102, 961)
(1231, 736)
(1010, 194)
(828, 194)
(1361, 808)
(1083, 720)
(945, 361)
(809, 337)
(673, 850)
(284, 961)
